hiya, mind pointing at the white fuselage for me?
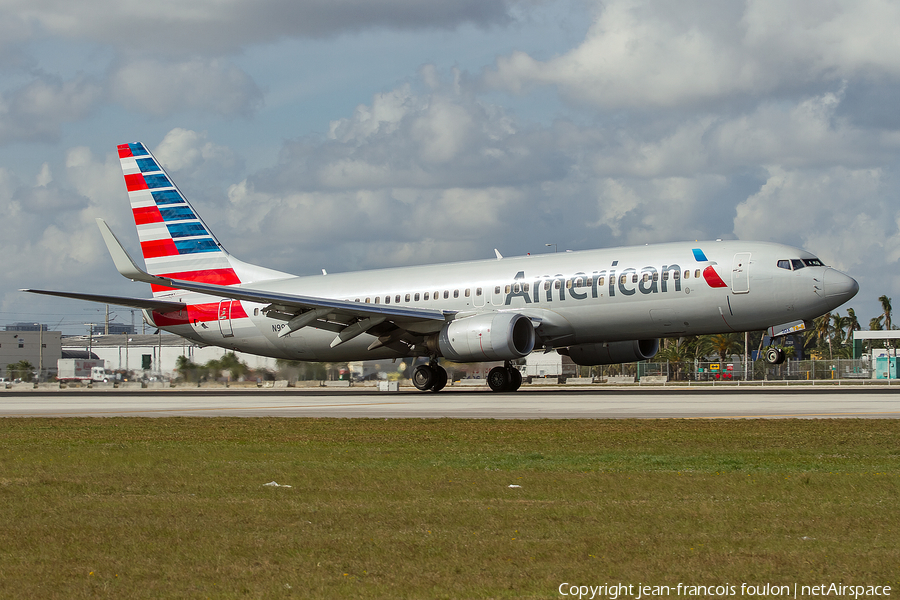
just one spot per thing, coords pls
(616, 294)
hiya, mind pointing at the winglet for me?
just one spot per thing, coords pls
(497, 252)
(124, 263)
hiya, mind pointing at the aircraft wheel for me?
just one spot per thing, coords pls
(781, 356)
(424, 377)
(440, 378)
(515, 379)
(772, 355)
(498, 379)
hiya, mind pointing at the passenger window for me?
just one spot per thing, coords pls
(665, 275)
(687, 274)
(255, 312)
(437, 295)
(446, 294)
(357, 300)
(623, 279)
(696, 273)
(407, 298)
(546, 285)
(478, 291)
(797, 263)
(600, 280)
(646, 277)
(368, 300)
(426, 295)
(655, 276)
(497, 290)
(526, 287)
(468, 292)
(516, 288)
(456, 293)
(569, 284)
(376, 299)
(634, 278)
(784, 264)
(557, 284)
(507, 290)
(676, 275)
(416, 297)
(397, 298)
(387, 299)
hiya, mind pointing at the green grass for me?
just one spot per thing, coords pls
(150, 508)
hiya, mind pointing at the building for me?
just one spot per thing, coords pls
(154, 356)
(26, 327)
(40, 348)
(114, 329)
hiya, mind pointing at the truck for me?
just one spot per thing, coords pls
(81, 369)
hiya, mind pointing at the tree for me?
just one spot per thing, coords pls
(886, 307)
(725, 344)
(875, 324)
(23, 370)
(186, 368)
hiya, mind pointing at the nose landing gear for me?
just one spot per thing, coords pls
(774, 355)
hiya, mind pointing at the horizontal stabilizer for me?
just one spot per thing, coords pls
(142, 303)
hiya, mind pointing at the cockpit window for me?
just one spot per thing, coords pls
(797, 263)
(784, 264)
(813, 262)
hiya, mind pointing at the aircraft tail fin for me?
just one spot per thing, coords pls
(175, 242)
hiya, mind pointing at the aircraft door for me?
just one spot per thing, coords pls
(225, 318)
(740, 273)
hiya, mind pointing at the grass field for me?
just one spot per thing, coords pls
(176, 507)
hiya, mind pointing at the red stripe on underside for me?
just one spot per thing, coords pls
(135, 182)
(157, 248)
(124, 151)
(215, 276)
(197, 313)
(147, 214)
(712, 278)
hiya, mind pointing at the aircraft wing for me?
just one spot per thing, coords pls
(278, 301)
(143, 303)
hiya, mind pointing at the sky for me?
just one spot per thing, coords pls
(358, 134)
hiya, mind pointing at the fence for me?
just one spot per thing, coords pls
(705, 371)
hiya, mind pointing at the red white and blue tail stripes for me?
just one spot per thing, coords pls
(174, 240)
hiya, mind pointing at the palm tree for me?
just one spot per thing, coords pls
(725, 344)
(875, 324)
(886, 307)
(821, 332)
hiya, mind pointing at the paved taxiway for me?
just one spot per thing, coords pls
(732, 403)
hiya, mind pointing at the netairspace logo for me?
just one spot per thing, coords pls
(614, 591)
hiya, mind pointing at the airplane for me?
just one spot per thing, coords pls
(596, 306)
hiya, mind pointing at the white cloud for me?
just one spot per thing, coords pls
(844, 215)
(657, 54)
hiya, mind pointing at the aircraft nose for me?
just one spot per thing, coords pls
(839, 287)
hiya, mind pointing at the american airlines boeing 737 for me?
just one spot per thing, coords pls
(596, 306)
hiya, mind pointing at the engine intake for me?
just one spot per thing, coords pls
(491, 336)
(610, 353)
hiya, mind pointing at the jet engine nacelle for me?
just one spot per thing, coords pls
(613, 352)
(492, 336)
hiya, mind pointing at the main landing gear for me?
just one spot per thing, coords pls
(774, 355)
(504, 379)
(429, 377)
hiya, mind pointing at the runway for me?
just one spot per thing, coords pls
(670, 403)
